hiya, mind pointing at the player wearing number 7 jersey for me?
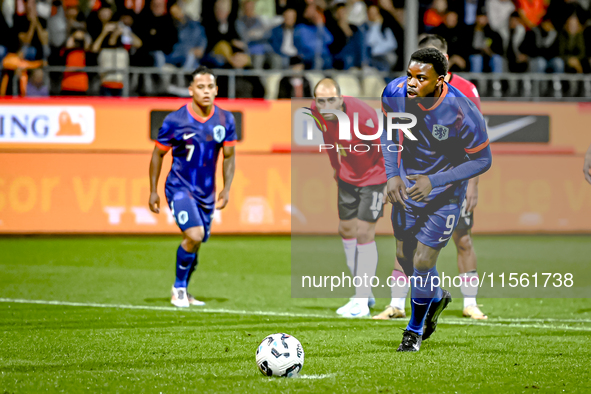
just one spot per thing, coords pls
(361, 178)
(427, 180)
(195, 133)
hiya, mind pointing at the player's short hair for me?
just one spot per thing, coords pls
(433, 40)
(336, 85)
(203, 70)
(431, 56)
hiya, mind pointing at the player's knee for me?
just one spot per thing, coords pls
(193, 239)
(464, 243)
(347, 231)
(423, 261)
(365, 236)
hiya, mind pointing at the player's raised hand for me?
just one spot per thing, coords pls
(421, 189)
(154, 202)
(223, 198)
(396, 191)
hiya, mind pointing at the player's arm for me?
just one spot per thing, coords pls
(479, 163)
(229, 167)
(587, 165)
(155, 169)
(396, 189)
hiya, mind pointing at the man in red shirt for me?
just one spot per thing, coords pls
(462, 235)
(361, 176)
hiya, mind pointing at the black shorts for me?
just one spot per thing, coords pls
(466, 220)
(362, 202)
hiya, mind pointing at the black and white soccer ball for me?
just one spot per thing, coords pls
(280, 355)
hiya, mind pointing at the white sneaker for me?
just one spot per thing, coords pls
(179, 297)
(345, 307)
(194, 301)
(357, 309)
(370, 304)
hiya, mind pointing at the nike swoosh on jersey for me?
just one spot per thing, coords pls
(187, 136)
(499, 131)
(443, 240)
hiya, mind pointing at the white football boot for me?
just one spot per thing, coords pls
(370, 304)
(179, 297)
(356, 309)
(194, 301)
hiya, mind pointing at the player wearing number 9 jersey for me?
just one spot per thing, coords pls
(427, 180)
(195, 133)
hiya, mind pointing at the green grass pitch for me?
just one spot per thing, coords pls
(92, 345)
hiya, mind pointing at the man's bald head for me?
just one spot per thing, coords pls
(327, 87)
(327, 94)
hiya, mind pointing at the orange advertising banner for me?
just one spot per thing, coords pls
(108, 193)
(123, 125)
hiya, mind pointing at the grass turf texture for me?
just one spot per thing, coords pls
(60, 348)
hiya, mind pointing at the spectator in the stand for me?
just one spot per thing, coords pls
(357, 12)
(36, 86)
(5, 37)
(515, 45)
(435, 15)
(547, 59)
(390, 10)
(458, 41)
(75, 83)
(488, 48)
(97, 20)
(282, 39)
(14, 65)
(32, 33)
(155, 28)
(498, 13)
(295, 85)
(253, 32)
(134, 7)
(380, 42)
(469, 10)
(312, 39)
(531, 12)
(114, 45)
(246, 86)
(191, 9)
(560, 10)
(571, 46)
(189, 49)
(347, 46)
(60, 26)
(223, 40)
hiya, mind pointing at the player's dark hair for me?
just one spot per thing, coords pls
(435, 41)
(202, 70)
(431, 56)
(336, 85)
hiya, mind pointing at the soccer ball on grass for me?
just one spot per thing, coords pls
(280, 355)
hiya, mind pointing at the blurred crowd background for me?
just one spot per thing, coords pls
(173, 37)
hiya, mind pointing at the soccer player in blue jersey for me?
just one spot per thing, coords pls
(427, 180)
(196, 132)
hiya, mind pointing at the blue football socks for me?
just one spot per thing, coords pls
(422, 294)
(184, 262)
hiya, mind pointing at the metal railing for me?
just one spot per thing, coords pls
(500, 86)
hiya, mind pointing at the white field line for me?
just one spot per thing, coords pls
(493, 322)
